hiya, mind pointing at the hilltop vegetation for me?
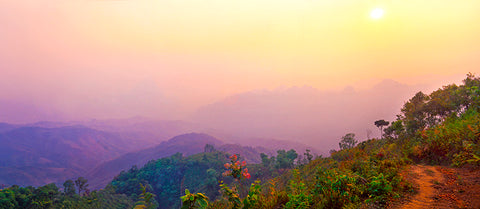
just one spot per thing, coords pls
(49, 196)
(442, 128)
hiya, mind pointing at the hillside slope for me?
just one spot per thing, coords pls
(36, 156)
(187, 144)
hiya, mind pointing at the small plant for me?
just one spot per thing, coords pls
(379, 188)
(337, 189)
(236, 169)
(147, 200)
(192, 201)
(239, 172)
(299, 197)
(253, 196)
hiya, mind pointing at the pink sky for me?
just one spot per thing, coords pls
(89, 58)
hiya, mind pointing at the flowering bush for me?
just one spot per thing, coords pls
(236, 169)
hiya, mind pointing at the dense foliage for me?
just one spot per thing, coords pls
(443, 127)
(49, 196)
(440, 128)
(169, 177)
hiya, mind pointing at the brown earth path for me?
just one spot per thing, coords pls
(425, 177)
(441, 187)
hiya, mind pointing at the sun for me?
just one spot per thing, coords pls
(377, 13)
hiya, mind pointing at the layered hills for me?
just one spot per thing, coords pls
(52, 152)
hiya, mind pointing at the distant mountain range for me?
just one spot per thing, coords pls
(306, 114)
(28, 153)
(46, 152)
(247, 124)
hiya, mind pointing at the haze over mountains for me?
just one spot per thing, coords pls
(258, 121)
(46, 152)
(302, 114)
(305, 114)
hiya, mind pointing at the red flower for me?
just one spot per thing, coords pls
(233, 157)
(244, 163)
(227, 165)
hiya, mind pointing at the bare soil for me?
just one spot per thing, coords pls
(441, 187)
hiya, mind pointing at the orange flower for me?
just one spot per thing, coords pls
(227, 165)
(233, 157)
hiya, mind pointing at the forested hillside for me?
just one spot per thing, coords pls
(36, 155)
(441, 128)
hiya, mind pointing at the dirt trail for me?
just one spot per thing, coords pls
(426, 178)
(442, 187)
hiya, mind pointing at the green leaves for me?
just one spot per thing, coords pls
(253, 196)
(146, 200)
(194, 200)
(348, 141)
(170, 176)
(299, 197)
(379, 187)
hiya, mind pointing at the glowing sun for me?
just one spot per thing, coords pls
(377, 13)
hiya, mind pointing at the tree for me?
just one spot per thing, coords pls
(414, 116)
(380, 124)
(81, 184)
(395, 130)
(308, 155)
(209, 148)
(266, 161)
(69, 188)
(285, 159)
(43, 196)
(348, 141)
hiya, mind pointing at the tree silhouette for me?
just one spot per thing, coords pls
(380, 124)
(81, 184)
(308, 155)
(69, 188)
(209, 148)
(348, 141)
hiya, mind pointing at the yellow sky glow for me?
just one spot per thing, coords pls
(223, 46)
(377, 13)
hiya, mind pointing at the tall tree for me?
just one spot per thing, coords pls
(395, 130)
(81, 184)
(285, 159)
(308, 155)
(348, 141)
(209, 148)
(69, 188)
(414, 115)
(266, 161)
(380, 124)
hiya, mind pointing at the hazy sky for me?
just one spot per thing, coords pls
(164, 58)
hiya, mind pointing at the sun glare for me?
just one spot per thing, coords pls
(377, 13)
